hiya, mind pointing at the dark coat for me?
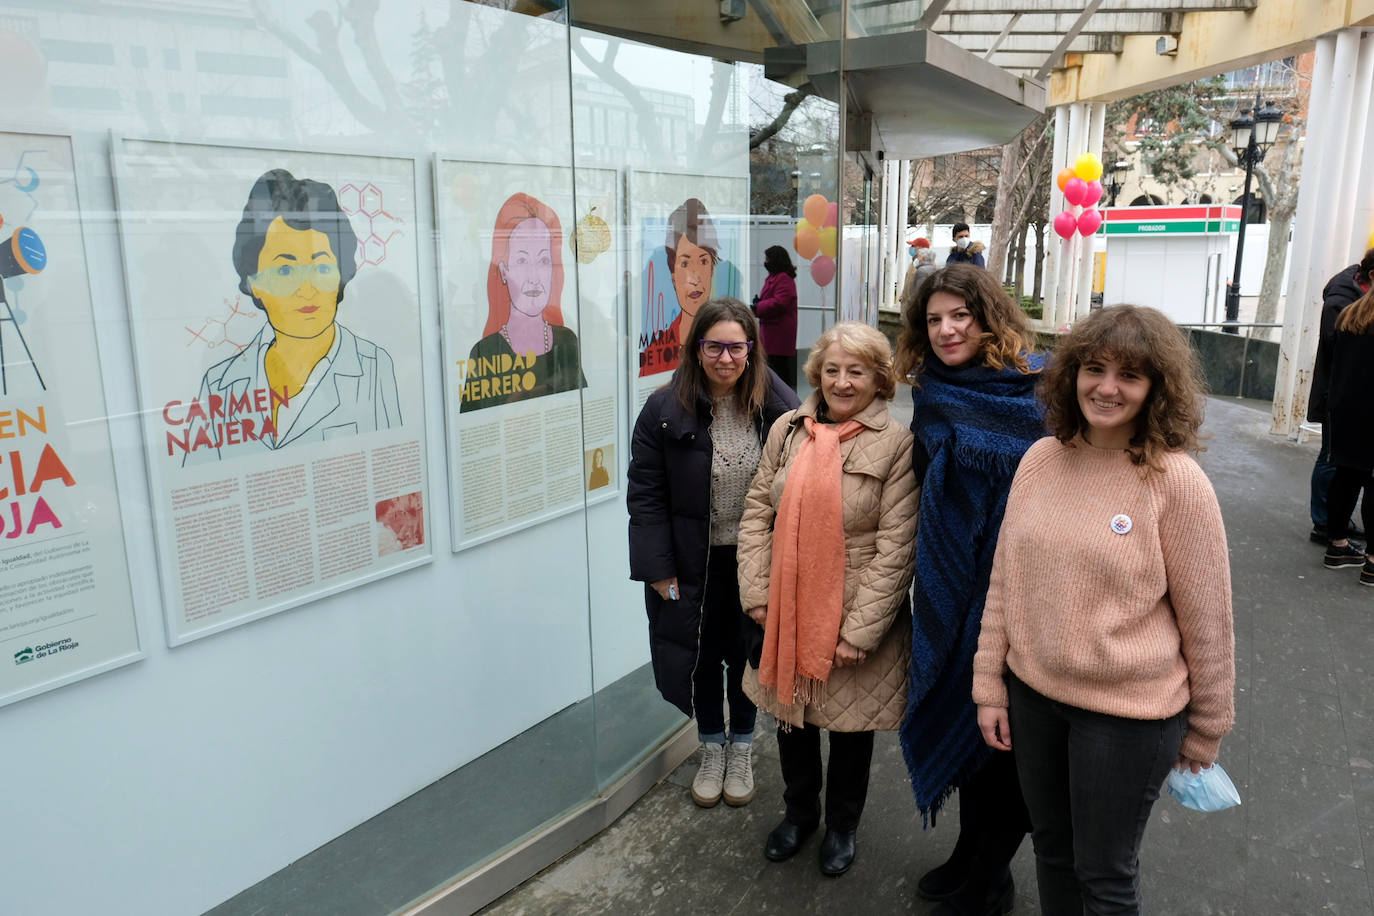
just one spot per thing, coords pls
(1350, 410)
(669, 498)
(973, 254)
(1340, 291)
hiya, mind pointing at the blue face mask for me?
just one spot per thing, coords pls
(912, 250)
(1210, 790)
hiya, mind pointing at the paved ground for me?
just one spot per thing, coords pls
(1302, 755)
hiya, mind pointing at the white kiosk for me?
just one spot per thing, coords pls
(1175, 259)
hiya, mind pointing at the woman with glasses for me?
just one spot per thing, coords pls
(294, 252)
(695, 448)
(825, 553)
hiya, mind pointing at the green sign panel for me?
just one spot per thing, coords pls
(1172, 227)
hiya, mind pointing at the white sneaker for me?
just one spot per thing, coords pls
(739, 773)
(708, 783)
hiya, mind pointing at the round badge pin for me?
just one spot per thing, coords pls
(1121, 523)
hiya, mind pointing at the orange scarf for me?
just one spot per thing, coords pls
(806, 583)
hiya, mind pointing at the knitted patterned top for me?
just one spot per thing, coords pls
(735, 452)
(1111, 591)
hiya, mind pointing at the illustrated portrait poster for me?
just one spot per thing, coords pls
(702, 219)
(276, 328)
(530, 291)
(66, 611)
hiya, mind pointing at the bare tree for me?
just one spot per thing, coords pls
(1014, 194)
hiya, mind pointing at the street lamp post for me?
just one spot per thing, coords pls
(1251, 138)
(1114, 183)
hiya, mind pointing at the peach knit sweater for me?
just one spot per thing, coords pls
(1134, 624)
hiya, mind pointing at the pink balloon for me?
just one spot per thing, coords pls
(1065, 225)
(823, 270)
(1088, 221)
(1093, 193)
(1075, 189)
(832, 215)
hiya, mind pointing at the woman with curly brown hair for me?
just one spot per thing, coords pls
(1107, 646)
(965, 349)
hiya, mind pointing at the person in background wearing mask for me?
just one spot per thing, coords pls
(922, 266)
(965, 250)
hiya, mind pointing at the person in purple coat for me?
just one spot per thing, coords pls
(776, 306)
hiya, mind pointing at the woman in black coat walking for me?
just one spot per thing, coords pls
(1350, 408)
(695, 449)
(1340, 291)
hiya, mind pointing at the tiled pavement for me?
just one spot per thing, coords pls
(1302, 755)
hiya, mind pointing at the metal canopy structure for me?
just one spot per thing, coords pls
(909, 63)
(964, 102)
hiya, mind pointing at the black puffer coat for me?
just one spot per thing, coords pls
(1350, 413)
(669, 497)
(1340, 291)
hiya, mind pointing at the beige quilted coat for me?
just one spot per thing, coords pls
(879, 495)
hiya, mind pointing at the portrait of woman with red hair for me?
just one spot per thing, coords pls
(525, 352)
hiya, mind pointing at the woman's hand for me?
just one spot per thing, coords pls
(1188, 763)
(758, 614)
(667, 589)
(846, 656)
(995, 726)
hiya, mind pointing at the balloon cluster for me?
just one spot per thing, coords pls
(817, 236)
(1081, 189)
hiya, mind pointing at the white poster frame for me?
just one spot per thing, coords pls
(177, 632)
(583, 189)
(728, 206)
(114, 597)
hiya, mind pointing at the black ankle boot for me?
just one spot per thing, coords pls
(785, 840)
(977, 899)
(942, 881)
(837, 853)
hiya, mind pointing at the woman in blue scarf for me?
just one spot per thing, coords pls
(964, 347)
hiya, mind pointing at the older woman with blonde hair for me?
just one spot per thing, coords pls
(825, 558)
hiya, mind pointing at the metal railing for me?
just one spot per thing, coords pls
(1233, 324)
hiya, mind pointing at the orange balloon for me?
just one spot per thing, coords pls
(815, 209)
(1063, 177)
(808, 240)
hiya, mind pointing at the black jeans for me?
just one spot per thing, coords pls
(846, 778)
(992, 819)
(785, 367)
(1322, 472)
(724, 642)
(1089, 780)
(1346, 484)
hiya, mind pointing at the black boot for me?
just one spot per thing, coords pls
(942, 881)
(837, 853)
(979, 899)
(785, 840)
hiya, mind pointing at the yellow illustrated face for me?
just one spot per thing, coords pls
(297, 280)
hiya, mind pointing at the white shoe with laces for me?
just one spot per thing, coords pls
(739, 773)
(709, 781)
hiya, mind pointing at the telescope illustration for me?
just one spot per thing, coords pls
(23, 254)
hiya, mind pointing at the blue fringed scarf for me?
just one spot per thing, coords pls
(974, 424)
